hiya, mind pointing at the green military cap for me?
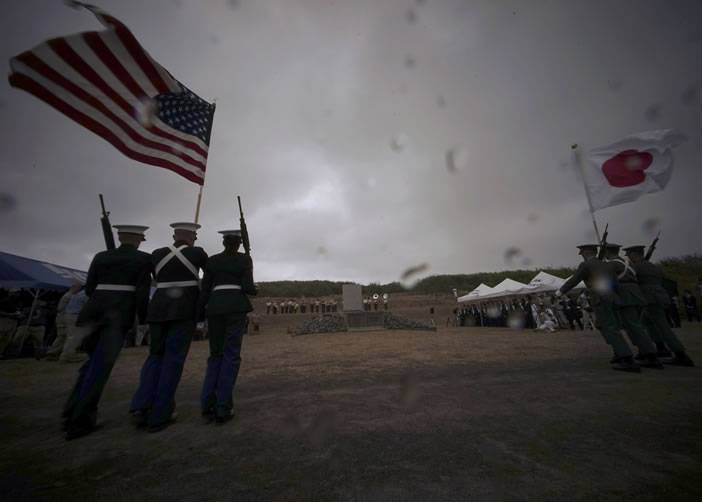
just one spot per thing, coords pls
(588, 247)
(635, 249)
(233, 233)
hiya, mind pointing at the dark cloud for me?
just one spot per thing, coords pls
(368, 182)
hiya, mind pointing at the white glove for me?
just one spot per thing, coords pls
(559, 294)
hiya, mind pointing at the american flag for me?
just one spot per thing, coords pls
(108, 83)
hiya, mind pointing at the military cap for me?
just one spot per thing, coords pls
(233, 233)
(612, 247)
(185, 225)
(131, 229)
(588, 247)
(635, 249)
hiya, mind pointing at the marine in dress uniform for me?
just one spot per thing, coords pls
(650, 279)
(172, 317)
(601, 282)
(630, 305)
(227, 281)
(117, 287)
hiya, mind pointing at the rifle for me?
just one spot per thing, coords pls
(603, 243)
(652, 247)
(106, 227)
(244, 231)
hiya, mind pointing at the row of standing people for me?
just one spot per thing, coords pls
(525, 312)
(302, 307)
(117, 288)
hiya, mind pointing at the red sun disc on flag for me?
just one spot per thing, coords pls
(627, 168)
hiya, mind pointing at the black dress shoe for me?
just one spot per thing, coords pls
(626, 364)
(680, 359)
(139, 419)
(163, 425)
(223, 419)
(651, 361)
(78, 431)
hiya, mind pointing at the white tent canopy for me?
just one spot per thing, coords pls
(506, 288)
(543, 282)
(477, 293)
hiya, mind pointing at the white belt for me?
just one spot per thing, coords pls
(226, 286)
(177, 284)
(114, 287)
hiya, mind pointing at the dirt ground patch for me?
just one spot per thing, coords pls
(463, 413)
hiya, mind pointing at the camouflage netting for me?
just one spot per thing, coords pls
(328, 323)
(395, 322)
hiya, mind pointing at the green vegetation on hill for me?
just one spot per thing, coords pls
(685, 271)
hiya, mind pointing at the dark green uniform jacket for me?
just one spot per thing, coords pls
(125, 266)
(176, 303)
(628, 290)
(650, 279)
(227, 269)
(598, 278)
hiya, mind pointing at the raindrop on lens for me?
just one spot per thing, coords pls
(653, 112)
(7, 202)
(399, 142)
(511, 253)
(146, 111)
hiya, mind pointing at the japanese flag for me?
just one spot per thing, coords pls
(624, 171)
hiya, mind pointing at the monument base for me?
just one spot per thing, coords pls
(365, 321)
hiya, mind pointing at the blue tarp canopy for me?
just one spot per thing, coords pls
(19, 272)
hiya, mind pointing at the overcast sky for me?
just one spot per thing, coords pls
(334, 119)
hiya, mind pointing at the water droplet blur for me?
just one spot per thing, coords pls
(410, 392)
(516, 320)
(526, 262)
(321, 428)
(651, 226)
(494, 311)
(7, 202)
(409, 277)
(410, 62)
(653, 112)
(322, 251)
(146, 111)
(456, 159)
(441, 102)
(602, 285)
(614, 85)
(411, 16)
(421, 2)
(633, 163)
(399, 142)
(214, 39)
(234, 4)
(511, 253)
(533, 218)
(689, 95)
(412, 271)
(590, 235)
(174, 292)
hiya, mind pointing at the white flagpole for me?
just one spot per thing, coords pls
(199, 201)
(579, 163)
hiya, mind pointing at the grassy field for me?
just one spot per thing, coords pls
(460, 414)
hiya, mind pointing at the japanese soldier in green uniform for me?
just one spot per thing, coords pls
(172, 316)
(650, 279)
(600, 282)
(629, 306)
(227, 281)
(118, 289)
